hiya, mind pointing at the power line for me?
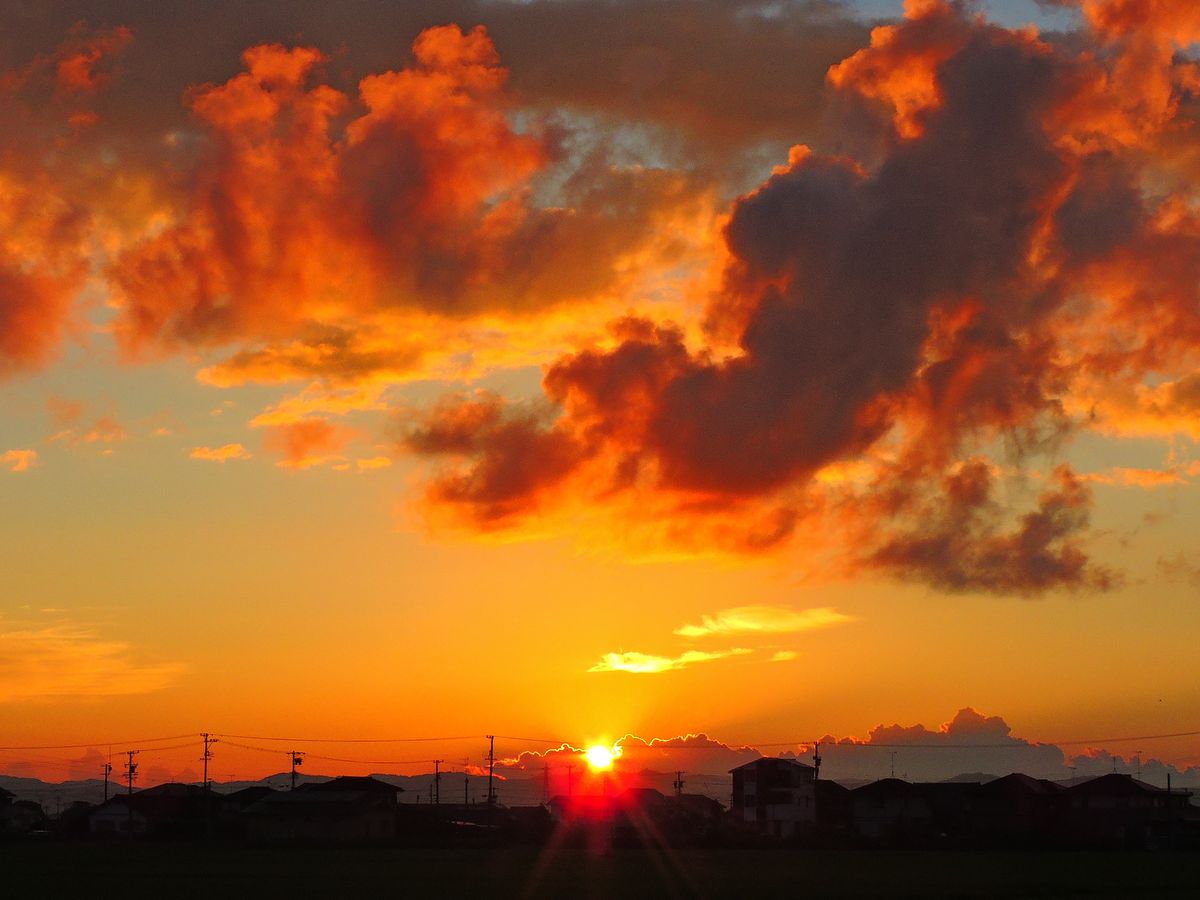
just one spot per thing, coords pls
(403, 740)
(90, 744)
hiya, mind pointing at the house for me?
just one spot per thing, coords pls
(890, 809)
(834, 807)
(1018, 809)
(165, 810)
(952, 807)
(340, 811)
(774, 795)
(1120, 810)
(19, 817)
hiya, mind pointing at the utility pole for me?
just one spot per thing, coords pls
(466, 788)
(816, 760)
(297, 759)
(130, 772)
(491, 769)
(892, 754)
(437, 782)
(208, 741)
(107, 772)
(678, 783)
(130, 769)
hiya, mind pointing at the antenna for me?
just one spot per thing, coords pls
(892, 754)
(678, 783)
(297, 760)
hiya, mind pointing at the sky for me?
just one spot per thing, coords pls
(769, 371)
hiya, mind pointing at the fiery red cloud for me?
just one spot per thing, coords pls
(1002, 249)
(911, 309)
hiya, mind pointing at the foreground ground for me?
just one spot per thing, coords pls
(31, 870)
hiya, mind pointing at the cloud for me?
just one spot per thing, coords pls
(65, 661)
(961, 542)
(784, 655)
(646, 664)
(220, 454)
(1179, 568)
(19, 460)
(953, 289)
(104, 430)
(509, 456)
(1123, 476)
(763, 620)
(366, 464)
(416, 198)
(306, 443)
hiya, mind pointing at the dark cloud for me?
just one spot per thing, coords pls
(928, 300)
(961, 541)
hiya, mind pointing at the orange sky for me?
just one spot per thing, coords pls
(533, 369)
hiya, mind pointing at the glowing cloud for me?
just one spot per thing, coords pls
(19, 460)
(646, 664)
(65, 661)
(764, 620)
(220, 454)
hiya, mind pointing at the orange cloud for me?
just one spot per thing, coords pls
(19, 460)
(1004, 252)
(220, 454)
(763, 620)
(304, 223)
(66, 661)
(647, 664)
(41, 266)
(84, 63)
(306, 443)
(104, 430)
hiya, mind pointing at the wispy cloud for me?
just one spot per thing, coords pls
(763, 620)
(220, 454)
(1121, 476)
(647, 664)
(784, 655)
(67, 661)
(19, 460)
(105, 430)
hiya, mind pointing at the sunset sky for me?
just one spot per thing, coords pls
(574, 369)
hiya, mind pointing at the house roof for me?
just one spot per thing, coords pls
(773, 761)
(1117, 783)
(352, 783)
(1018, 782)
(885, 786)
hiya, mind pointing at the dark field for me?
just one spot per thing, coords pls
(183, 871)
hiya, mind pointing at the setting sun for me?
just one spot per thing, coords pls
(600, 757)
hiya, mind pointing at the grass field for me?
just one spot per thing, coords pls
(56, 870)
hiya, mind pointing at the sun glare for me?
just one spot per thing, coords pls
(599, 757)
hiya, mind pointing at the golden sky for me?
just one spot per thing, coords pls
(771, 371)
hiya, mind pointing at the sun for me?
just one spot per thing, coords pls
(600, 757)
